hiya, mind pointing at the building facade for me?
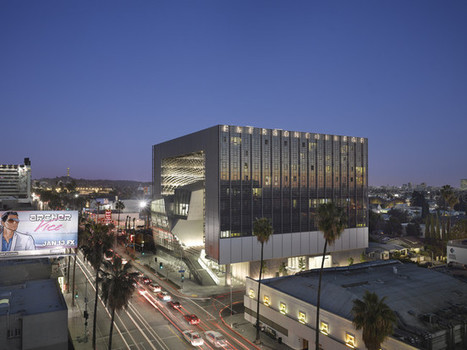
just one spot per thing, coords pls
(231, 175)
(430, 306)
(15, 184)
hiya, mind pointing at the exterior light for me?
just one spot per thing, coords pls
(251, 294)
(142, 204)
(302, 317)
(350, 340)
(282, 308)
(266, 300)
(324, 328)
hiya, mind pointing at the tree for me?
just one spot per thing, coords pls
(418, 200)
(331, 222)
(98, 240)
(117, 288)
(283, 269)
(375, 318)
(262, 229)
(393, 226)
(119, 205)
(413, 229)
(427, 228)
(449, 200)
(399, 214)
(302, 264)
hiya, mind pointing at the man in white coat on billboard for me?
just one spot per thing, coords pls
(11, 239)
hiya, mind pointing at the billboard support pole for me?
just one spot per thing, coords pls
(68, 275)
(74, 271)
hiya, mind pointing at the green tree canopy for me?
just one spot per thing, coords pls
(375, 318)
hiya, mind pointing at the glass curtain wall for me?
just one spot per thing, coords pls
(285, 175)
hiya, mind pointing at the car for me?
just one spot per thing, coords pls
(216, 339)
(164, 296)
(146, 280)
(193, 338)
(191, 319)
(141, 290)
(155, 287)
(175, 305)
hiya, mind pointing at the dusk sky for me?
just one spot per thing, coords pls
(92, 85)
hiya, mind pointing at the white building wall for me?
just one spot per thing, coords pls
(456, 252)
(298, 332)
(233, 250)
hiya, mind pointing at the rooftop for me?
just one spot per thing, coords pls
(32, 297)
(423, 298)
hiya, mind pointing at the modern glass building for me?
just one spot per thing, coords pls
(211, 185)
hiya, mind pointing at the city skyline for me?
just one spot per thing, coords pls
(92, 86)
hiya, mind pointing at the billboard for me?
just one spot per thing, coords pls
(29, 234)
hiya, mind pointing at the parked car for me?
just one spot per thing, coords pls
(175, 305)
(164, 296)
(193, 338)
(155, 287)
(146, 280)
(191, 319)
(216, 339)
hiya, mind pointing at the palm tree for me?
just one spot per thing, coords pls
(375, 318)
(262, 229)
(117, 288)
(98, 241)
(331, 222)
(119, 205)
(450, 200)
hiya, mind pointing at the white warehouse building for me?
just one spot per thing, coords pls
(431, 307)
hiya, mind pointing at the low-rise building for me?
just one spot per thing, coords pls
(33, 315)
(431, 307)
(457, 252)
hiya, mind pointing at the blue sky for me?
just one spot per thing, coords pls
(92, 85)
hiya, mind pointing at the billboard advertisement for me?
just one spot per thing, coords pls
(28, 234)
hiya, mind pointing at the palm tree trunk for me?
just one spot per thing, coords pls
(111, 329)
(95, 311)
(319, 296)
(258, 340)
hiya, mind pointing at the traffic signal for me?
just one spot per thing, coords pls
(161, 266)
(86, 315)
(76, 294)
(183, 277)
(155, 259)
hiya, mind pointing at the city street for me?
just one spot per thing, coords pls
(150, 323)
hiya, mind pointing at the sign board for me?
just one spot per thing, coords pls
(108, 216)
(30, 234)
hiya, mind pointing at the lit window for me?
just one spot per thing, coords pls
(324, 328)
(266, 300)
(350, 340)
(296, 134)
(251, 294)
(282, 308)
(302, 317)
